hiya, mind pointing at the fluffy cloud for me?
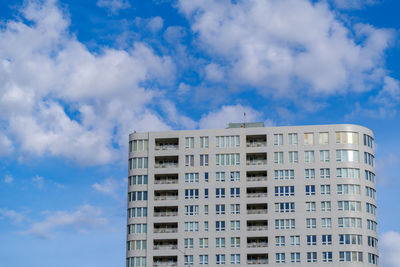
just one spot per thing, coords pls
(390, 249)
(114, 5)
(219, 119)
(6, 146)
(282, 47)
(354, 4)
(83, 218)
(75, 103)
(109, 186)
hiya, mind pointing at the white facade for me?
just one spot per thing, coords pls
(262, 196)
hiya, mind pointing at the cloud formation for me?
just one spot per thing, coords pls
(114, 5)
(109, 186)
(390, 249)
(15, 217)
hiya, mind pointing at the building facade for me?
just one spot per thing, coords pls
(253, 195)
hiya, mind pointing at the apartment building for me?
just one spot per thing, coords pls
(250, 195)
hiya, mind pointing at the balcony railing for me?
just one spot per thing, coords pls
(257, 228)
(165, 213)
(168, 197)
(257, 244)
(257, 261)
(256, 178)
(166, 147)
(256, 144)
(257, 211)
(158, 247)
(253, 195)
(165, 230)
(166, 181)
(164, 263)
(166, 165)
(256, 162)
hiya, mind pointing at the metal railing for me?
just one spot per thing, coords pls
(158, 247)
(165, 230)
(257, 228)
(256, 178)
(256, 144)
(165, 213)
(166, 147)
(257, 261)
(252, 195)
(256, 162)
(257, 244)
(166, 165)
(164, 263)
(257, 211)
(166, 181)
(167, 197)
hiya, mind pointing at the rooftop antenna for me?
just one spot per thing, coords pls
(244, 119)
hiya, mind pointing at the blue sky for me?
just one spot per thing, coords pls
(77, 76)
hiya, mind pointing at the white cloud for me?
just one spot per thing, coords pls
(390, 249)
(8, 179)
(109, 186)
(38, 181)
(114, 5)
(219, 119)
(280, 47)
(76, 103)
(214, 72)
(15, 217)
(354, 4)
(155, 24)
(6, 146)
(81, 220)
(389, 96)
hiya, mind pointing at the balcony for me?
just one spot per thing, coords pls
(260, 225)
(166, 195)
(257, 208)
(165, 244)
(167, 144)
(257, 192)
(257, 259)
(165, 228)
(257, 242)
(166, 162)
(256, 159)
(256, 140)
(165, 261)
(166, 178)
(166, 211)
(256, 176)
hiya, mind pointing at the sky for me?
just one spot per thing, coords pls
(76, 77)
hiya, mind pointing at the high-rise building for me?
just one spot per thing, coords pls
(251, 195)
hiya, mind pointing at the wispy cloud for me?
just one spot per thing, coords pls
(114, 5)
(38, 181)
(390, 249)
(109, 186)
(8, 179)
(15, 217)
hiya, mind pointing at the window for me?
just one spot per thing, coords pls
(138, 228)
(188, 260)
(349, 222)
(206, 177)
(235, 242)
(235, 258)
(191, 177)
(349, 205)
(138, 179)
(136, 262)
(310, 173)
(220, 242)
(206, 226)
(350, 256)
(284, 191)
(284, 207)
(203, 259)
(220, 176)
(278, 157)
(137, 245)
(285, 224)
(138, 145)
(189, 160)
(311, 223)
(325, 206)
(206, 193)
(188, 242)
(138, 163)
(350, 239)
(220, 226)
(280, 258)
(228, 141)
(323, 138)
(137, 196)
(309, 138)
(284, 174)
(368, 141)
(295, 257)
(189, 142)
(227, 159)
(280, 241)
(348, 189)
(372, 242)
(206, 209)
(369, 159)
(311, 240)
(191, 226)
(327, 256)
(325, 173)
(220, 192)
(192, 210)
(204, 160)
(310, 206)
(309, 157)
(204, 142)
(325, 189)
(370, 208)
(324, 155)
(203, 242)
(369, 176)
(235, 208)
(372, 225)
(235, 192)
(310, 190)
(295, 240)
(311, 256)
(370, 192)
(293, 156)
(347, 155)
(372, 258)
(346, 138)
(326, 239)
(235, 176)
(220, 258)
(235, 225)
(348, 173)
(278, 139)
(191, 193)
(293, 139)
(220, 209)
(326, 223)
